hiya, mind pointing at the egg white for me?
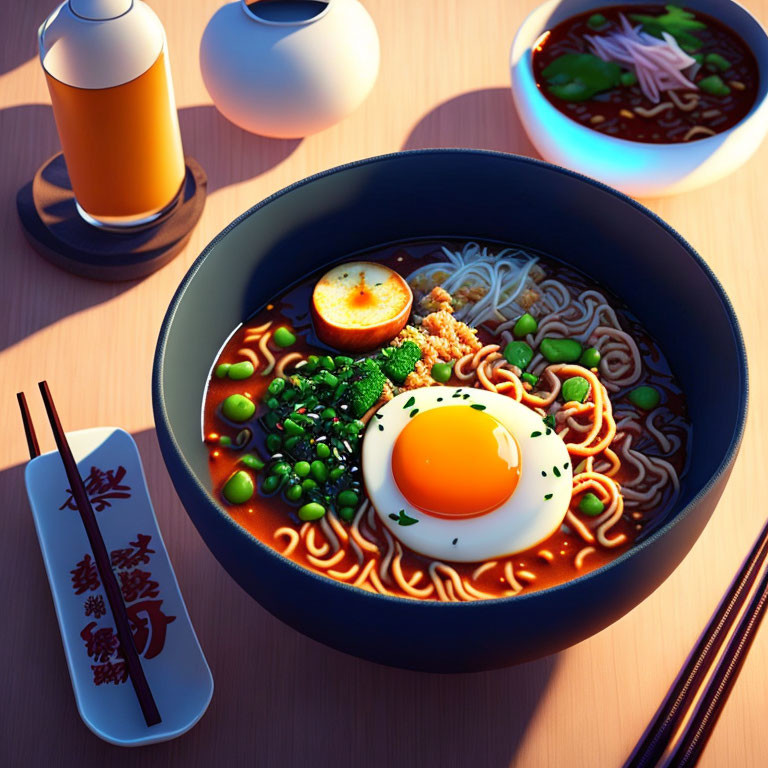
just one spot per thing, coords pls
(521, 522)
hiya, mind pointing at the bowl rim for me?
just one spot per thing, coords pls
(628, 144)
(162, 422)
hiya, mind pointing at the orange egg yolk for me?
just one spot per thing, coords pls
(456, 462)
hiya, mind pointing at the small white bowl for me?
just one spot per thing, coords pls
(638, 169)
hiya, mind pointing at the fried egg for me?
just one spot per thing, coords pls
(465, 474)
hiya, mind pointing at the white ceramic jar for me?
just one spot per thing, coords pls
(289, 68)
(638, 169)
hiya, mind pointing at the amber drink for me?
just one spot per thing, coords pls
(112, 96)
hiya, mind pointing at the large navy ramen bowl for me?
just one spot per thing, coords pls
(472, 195)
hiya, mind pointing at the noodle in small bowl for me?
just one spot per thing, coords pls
(662, 141)
(449, 618)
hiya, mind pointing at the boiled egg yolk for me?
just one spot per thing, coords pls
(456, 462)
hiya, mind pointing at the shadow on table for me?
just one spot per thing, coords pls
(280, 699)
(28, 139)
(482, 119)
(228, 155)
(19, 43)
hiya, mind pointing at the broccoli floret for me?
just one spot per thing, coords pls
(365, 389)
(400, 361)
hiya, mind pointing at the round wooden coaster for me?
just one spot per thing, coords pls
(57, 232)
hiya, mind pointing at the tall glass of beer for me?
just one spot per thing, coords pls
(106, 65)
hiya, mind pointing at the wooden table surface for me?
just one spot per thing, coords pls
(280, 698)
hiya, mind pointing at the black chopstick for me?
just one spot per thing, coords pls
(688, 747)
(29, 427)
(679, 698)
(122, 623)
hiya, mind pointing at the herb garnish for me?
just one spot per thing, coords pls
(549, 420)
(454, 542)
(411, 402)
(477, 407)
(555, 471)
(402, 519)
(413, 413)
(535, 434)
(548, 496)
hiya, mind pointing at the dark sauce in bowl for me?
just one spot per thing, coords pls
(613, 112)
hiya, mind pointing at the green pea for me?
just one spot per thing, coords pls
(254, 462)
(239, 488)
(319, 471)
(272, 403)
(518, 353)
(240, 371)
(274, 443)
(221, 370)
(323, 451)
(311, 511)
(714, 84)
(716, 61)
(281, 468)
(442, 372)
(596, 20)
(560, 350)
(342, 360)
(575, 389)
(271, 419)
(293, 492)
(347, 514)
(276, 386)
(336, 473)
(326, 362)
(225, 441)
(531, 378)
(238, 408)
(525, 324)
(646, 398)
(289, 442)
(308, 484)
(283, 337)
(347, 499)
(271, 484)
(311, 364)
(301, 468)
(628, 79)
(590, 505)
(590, 357)
(327, 413)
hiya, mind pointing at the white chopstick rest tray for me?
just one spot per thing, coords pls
(169, 651)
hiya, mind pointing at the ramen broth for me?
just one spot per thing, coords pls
(550, 562)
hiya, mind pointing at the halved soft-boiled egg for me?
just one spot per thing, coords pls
(360, 305)
(465, 474)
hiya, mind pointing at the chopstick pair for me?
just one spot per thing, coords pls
(101, 556)
(686, 718)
